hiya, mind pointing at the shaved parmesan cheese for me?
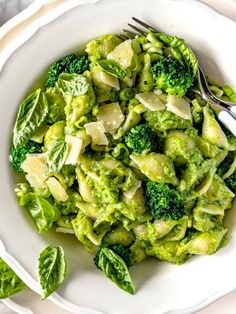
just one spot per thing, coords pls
(57, 190)
(35, 167)
(109, 80)
(111, 115)
(179, 106)
(35, 181)
(34, 162)
(151, 101)
(97, 132)
(123, 54)
(74, 149)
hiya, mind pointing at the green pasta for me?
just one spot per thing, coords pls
(131, 160)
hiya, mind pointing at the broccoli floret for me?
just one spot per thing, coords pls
(164, 202)
(78, 65)
(57, 67)
(141, 139)
(231, 182)
(68, 64)
(121, 250)
(171, 76)
(18, 155)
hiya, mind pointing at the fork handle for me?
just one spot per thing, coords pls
(228, 120)
(233, 109)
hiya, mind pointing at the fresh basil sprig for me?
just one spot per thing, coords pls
(115, 269)
(72, 84)
(57, 156)
(41, 210)
(31, 115)
(112, 67)
(51, 269)
(10, 283)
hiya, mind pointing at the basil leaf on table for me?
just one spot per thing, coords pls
(51, 269)
(115, 269)
(179, 45)
(57, 156)
(112, 67)
(31, 115)
(10, 283)
(41, 210)
(72, 84)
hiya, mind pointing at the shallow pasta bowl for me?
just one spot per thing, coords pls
(161, 287)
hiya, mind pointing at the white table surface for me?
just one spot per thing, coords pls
(27, 298)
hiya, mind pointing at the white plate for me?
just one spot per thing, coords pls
(161, 287)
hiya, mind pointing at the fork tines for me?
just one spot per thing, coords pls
(145, 25)
(129, 33)
(138, 31)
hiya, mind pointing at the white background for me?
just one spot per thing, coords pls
(227, 305)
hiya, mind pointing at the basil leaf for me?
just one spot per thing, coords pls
(10, 283)
(115, 269)
(31, 115)
(179, 45)
(42, 212)
(113, 68)
(72, 84)
(51, 269)
(56, 157)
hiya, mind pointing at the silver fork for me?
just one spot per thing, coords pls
(226, 109)
(208, 96)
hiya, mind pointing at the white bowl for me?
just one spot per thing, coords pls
(161, 287)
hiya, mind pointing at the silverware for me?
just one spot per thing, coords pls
(226, 110)
(209, 97)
